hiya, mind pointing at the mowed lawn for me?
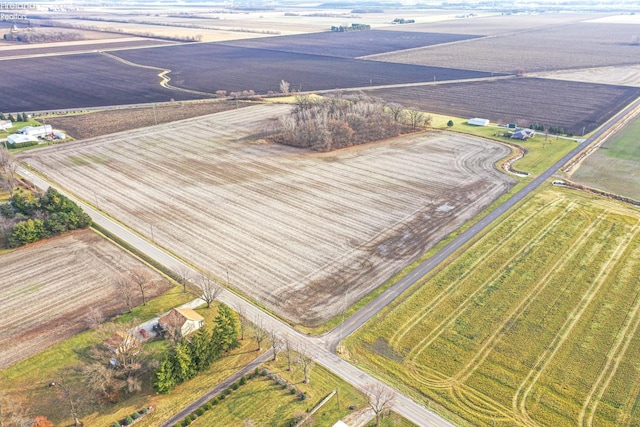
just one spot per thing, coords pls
(535, 324)
(615, 167)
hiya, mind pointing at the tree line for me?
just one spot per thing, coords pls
(20, 117)
(325, 124)
(31, 216)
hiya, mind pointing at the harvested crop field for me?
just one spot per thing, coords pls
(210, 67)
(621, 76)
(350, 44)
(48, 288)
(578, 45)
(76, 46)
(572, 105)
(97, 123)
(536, 324)
(76, 81)
(295, 230)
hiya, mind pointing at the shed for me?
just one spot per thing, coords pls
(183, 320)
(18, 138)
(478, 122)
(37, 131)
(59, 135)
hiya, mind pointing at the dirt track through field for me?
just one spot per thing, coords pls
(301, 232)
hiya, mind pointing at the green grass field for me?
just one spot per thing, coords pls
(615, 167)
(266, 403)
(535, 324)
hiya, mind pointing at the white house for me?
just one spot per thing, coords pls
(523, 134)
(478, 122)
(183, 320)
(18, 138)
(5, 124)
(37, 131)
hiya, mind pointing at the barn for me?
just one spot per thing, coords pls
(17, 138)
(37, 131)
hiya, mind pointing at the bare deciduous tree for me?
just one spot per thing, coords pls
(259, 332)
(209, 289)
(11, 413)
(94, 317)
(380, 399)
(221, 93)
(305, 360)
(416, 118)
(284, 87)
(288, 349)
(276, 343)
(184, 277)
(396, 111)
(8, 171)
(125, 289)
(245, 324)
(143, 281)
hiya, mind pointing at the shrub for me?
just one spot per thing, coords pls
(450, 123)
(222, 396)
(256, 371)
(135, 415)
(128, 421)
(187, 421)
(302, 396)
(284, 385)
(208, 406)
(293, 390)
(263, 373)
(243, 380)
(144, 410)
(201, 411)
(116, 424)
(215, 401)
(235, 386)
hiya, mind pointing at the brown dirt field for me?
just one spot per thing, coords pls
(48, 287)
(295, 230)
(97, 123)
(577, 45)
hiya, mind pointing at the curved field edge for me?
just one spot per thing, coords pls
(493, 378)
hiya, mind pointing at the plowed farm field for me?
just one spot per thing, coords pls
(298, 231)
(556, 47)
(575, 106)
(48, 288)
(536, 324)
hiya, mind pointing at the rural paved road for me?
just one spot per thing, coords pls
(323, 348)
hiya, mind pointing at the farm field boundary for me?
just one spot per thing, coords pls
(560, 269)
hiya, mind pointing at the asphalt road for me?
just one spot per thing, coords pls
(322, 349)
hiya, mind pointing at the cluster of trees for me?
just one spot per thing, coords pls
(556, 130)
(43, 37)
(20, 117)
(325, 124)
(29, 217)
(353, 27)
(192, 356)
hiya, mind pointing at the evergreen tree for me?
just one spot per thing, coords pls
(225, 332)
(165, 376)
(3, 117)
(183, 365)
(24, 117)
(201, 350)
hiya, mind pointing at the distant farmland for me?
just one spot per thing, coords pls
(76, 81)
(350, 44)
(301, 232)
(535, 324)
(572, 105)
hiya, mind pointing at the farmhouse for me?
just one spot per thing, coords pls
(37, 131)
(523, 134)
(17, 138)
(478, 122)
(183, 320)
(5, 124)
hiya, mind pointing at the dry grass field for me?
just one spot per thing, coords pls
(536, 324)
(557, 47)
(623, 75)
(49, 287)
(303, 233)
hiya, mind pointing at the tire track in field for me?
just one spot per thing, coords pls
(455, 314)
(435, 302)
(524, 304)
(485, 407)
(519, 400)
(163, 74)
(614, 357)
